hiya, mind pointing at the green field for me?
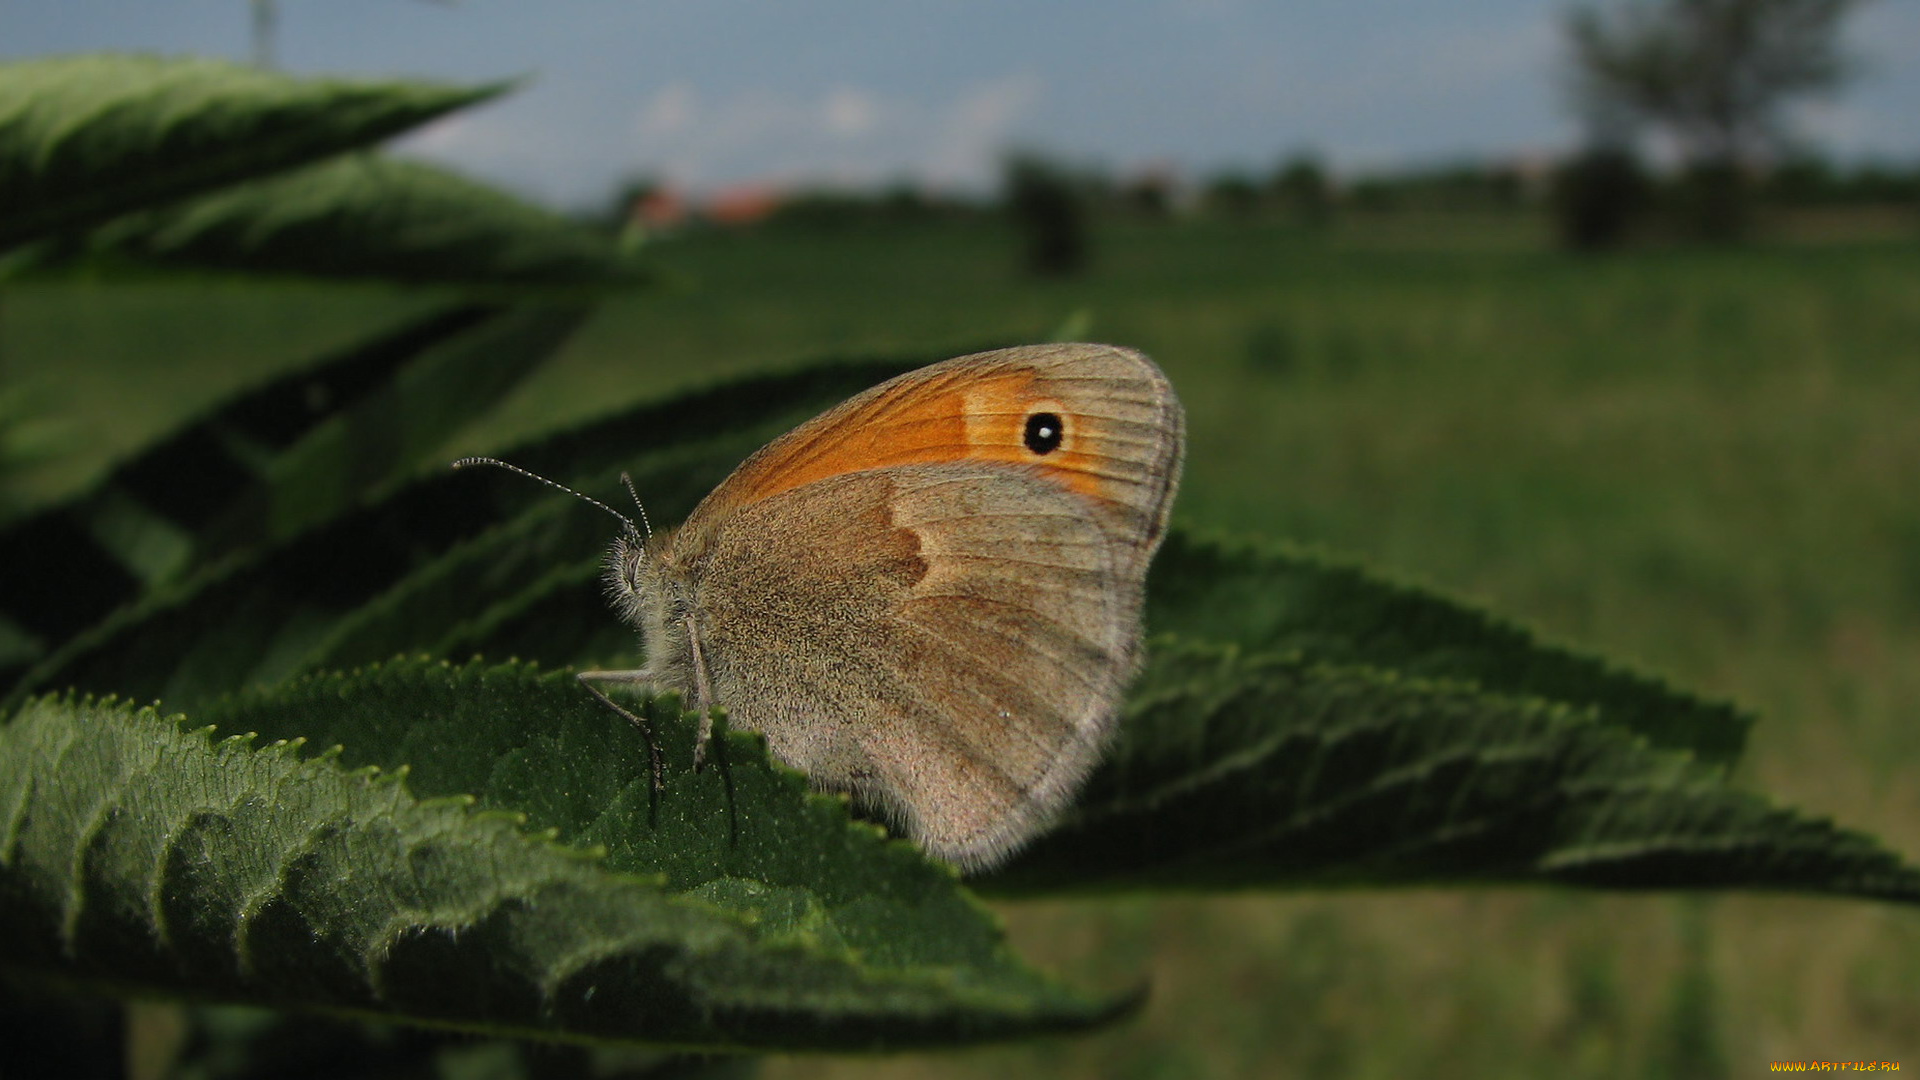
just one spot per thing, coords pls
(1706, 464)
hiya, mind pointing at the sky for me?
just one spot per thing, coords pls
(712, 93)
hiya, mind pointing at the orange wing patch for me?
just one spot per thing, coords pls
(954, 416)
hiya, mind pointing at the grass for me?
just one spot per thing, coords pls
(1705, 463)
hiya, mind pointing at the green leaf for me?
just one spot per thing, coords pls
(365, 216)
(349, 459)
(258, 469)
(1278, 598)
(85, 139)
(741, 913)
(1234, 771)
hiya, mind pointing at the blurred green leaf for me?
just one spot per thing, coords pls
(350, 458)
(88, 138)
(29, 436)
(262, 467)
(1234, 771)
(741, 912)
(366, 216)
(1278, 598)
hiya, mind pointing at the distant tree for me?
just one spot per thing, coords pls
(1447, 187)
(1231, 194)
(1813, 181)
(903, 201)
(897, 204)
(266, 16)
(1148, 194)
(1048, 205)
(1714, 75)
(1303, 190)
(1375, 194)
(1598, 196)
(1804, 181)
(1881, 183)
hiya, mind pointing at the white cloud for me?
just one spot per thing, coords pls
(668, 112)
(1412, 71)
(463, 135)
(965, 150)
(502, 143)
(850, 113)
(845, 135)
(1396, 96)
(1837, 127)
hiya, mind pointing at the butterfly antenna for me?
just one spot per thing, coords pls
(637, 504)
(624, 519)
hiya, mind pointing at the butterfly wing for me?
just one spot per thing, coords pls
(1120, 443)
(947, 641)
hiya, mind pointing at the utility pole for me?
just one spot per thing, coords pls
(265, 18)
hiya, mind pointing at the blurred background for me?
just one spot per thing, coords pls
(1605, 315)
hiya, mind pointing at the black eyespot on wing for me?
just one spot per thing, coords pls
(1044, 432)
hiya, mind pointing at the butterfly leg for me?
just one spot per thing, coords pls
(704, 694)
(627, 678)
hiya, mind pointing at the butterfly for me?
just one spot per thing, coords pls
(928, 596)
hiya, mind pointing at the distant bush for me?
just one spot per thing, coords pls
(1149, 195)
(1712, 201)
(1456, 187)
(1598, 197)
(1303, 190)
(1813, 181)
(1232, 194)
(1050, 211)
(901, 204)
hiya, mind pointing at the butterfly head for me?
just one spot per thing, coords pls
(635, 578)
(653, 593)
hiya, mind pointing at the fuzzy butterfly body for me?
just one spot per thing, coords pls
(928, 596)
